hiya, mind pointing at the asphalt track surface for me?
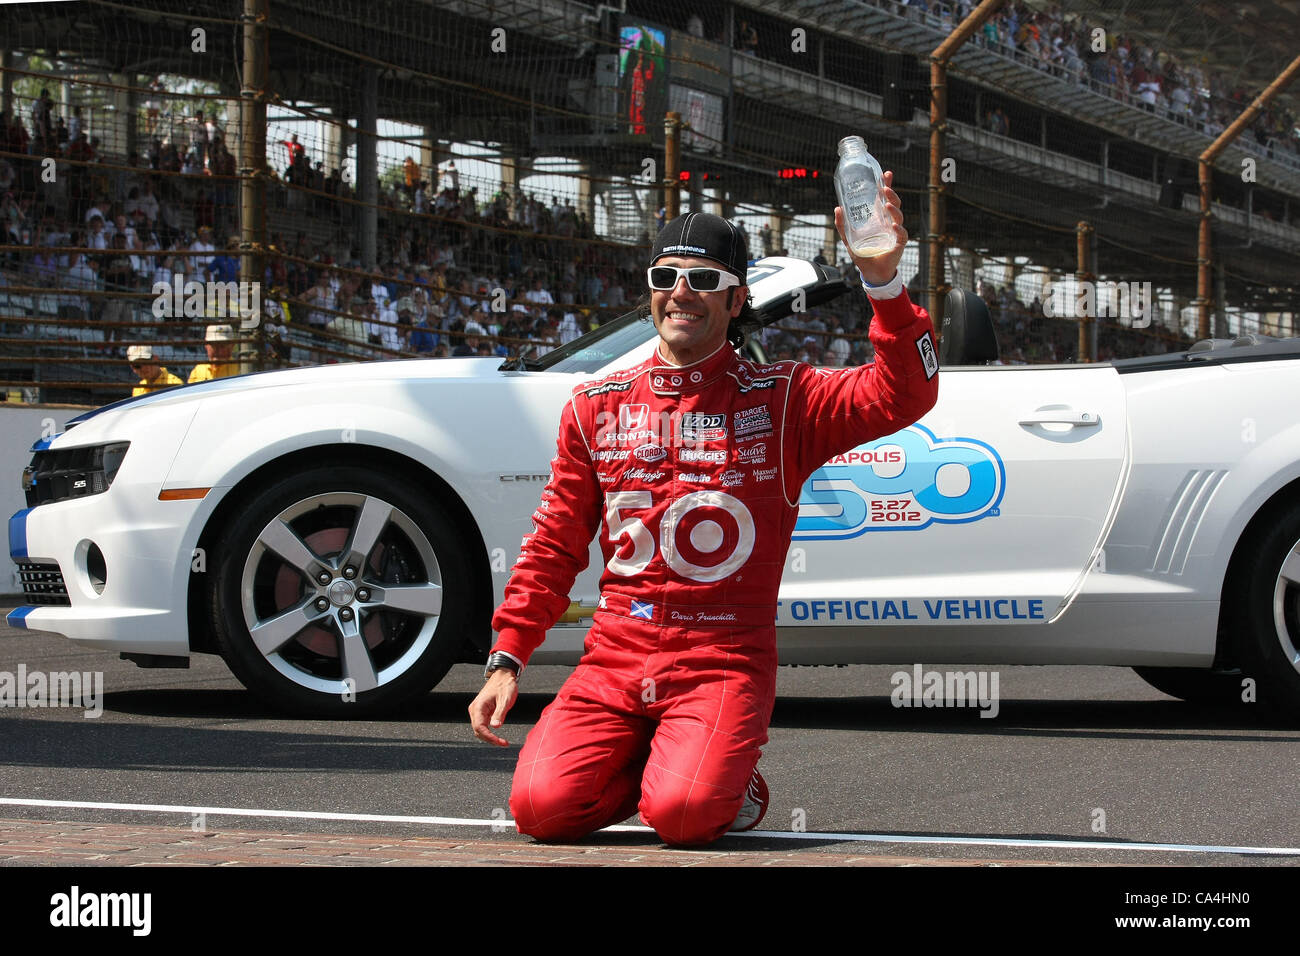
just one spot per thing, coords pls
(1080, 765)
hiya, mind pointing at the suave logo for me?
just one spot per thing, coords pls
(907, 480)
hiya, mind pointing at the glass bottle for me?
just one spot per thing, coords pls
(858, 181)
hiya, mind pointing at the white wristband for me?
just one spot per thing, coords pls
(890, 290)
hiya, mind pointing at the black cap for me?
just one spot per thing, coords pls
(707, 236)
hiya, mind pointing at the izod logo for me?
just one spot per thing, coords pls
(698, 426)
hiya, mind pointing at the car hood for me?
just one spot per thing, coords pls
(337, 374)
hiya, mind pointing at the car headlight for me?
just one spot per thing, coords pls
(63, 473)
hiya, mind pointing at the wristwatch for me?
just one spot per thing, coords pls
(501, 659)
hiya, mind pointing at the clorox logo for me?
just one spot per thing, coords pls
(905, 481)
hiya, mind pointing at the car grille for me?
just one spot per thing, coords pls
(43, 583)
(60, 474)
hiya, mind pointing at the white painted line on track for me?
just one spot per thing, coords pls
(768, 834)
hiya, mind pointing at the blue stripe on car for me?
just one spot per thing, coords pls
(18, 616)
(18, 533)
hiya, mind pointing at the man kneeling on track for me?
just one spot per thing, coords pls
(694, 459)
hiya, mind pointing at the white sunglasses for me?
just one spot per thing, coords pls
(699, 278)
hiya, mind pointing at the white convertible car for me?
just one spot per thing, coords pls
(341, 535)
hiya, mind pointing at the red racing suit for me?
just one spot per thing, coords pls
(693, 475)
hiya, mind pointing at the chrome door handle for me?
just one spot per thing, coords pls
(1061, 416)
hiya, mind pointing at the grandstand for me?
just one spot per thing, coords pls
(429, 177)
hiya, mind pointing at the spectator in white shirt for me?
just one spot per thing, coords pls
(537, 295)
(79, 275)
(203, 248)
(320, 299)
(168, 267)
(97, 237)
(568, 329)
(837, 353)
(120, 225)
(146, 202)
(382, 333)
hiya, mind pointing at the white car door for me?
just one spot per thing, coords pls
(990, 510)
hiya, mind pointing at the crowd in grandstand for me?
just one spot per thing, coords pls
(1111, 61)
(1026, 335)
(473, 276)
(462, 273)
(1162, 83)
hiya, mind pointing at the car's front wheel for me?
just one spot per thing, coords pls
(340, 591)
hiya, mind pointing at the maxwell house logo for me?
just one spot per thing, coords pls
(907, 480)
(632, 416)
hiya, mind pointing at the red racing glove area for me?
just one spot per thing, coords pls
(692, 474)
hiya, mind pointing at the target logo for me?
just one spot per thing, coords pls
(705, 536)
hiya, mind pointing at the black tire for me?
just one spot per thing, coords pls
(388, 566)
(1196, 686)
(1263, 610)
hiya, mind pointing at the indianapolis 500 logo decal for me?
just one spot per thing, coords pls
(905, 481)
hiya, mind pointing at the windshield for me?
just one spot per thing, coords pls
(599, 347)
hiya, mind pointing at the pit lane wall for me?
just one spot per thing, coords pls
(21, 426)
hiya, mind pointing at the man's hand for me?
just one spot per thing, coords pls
(880, 269)
(492, 704)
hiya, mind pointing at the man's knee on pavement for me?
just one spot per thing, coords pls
(557, 807)
(689, 816)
